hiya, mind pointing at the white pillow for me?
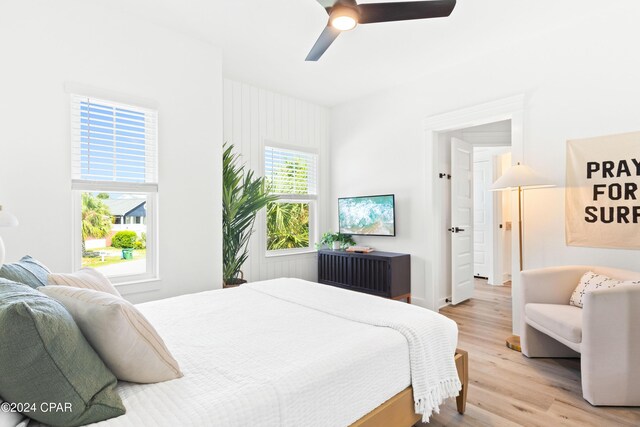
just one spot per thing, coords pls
(11, 419)
(590, 282)
(125, 341)
(86, 278)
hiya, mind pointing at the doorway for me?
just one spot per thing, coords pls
(474, 225)
(435, 129)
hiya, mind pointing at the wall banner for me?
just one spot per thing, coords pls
(603, 192)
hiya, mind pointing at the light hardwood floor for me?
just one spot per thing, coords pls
(508, 389)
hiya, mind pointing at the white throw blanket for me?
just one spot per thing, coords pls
(433, 372)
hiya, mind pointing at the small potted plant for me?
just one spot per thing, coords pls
(335, 241)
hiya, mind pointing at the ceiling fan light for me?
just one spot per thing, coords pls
(344, 23)
(344, 18)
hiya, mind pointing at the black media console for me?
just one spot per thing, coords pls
(385, 274)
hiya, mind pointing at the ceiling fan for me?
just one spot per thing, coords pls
(344, 15)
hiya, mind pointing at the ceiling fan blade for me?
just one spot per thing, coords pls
(404, 11)
(326, 3)
(324, 41)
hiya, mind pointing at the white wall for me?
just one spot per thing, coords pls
(579, 81)
(47, 44)
(253, 116)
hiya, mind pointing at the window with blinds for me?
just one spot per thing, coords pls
(114, 155)
(292, 175)
(113, 142)
(291, 172)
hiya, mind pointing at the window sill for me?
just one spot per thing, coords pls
(276, 254)
(138, 286)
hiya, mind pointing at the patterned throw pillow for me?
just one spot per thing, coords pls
(86, 278)
(125, 340)
(590, 282)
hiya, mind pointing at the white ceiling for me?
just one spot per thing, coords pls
(265, 42)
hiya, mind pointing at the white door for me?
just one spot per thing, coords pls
(461, 221)
(482, 213)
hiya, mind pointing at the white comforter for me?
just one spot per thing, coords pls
(270, 354)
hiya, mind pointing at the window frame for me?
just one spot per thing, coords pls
(148, 189)
(311, 199)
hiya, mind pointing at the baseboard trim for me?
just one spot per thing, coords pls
(422, 302)
(443, 302)
(418, 301)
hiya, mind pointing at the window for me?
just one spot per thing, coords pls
(292, 176)
(114, 180)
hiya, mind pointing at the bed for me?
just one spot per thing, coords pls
(287, 353)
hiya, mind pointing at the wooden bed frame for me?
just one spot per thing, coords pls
(399, 410)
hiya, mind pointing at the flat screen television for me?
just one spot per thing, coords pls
(367, 215)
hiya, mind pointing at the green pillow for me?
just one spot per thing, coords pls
(46, 360)
(28, 270)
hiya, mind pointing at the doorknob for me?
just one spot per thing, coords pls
(456, 229)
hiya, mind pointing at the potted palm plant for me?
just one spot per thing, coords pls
(243, 195)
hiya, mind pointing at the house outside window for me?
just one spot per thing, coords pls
(292, 175)
(114, 181)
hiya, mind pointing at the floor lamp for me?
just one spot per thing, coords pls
(6, 220)
(519, 177)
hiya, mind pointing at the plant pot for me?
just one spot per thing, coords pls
(336, 246)
(127, 253)
(233, 283)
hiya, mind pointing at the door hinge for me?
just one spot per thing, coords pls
(443, 175)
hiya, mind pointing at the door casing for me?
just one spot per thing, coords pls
(511, 108)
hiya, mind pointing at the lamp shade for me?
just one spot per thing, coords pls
(7, 219)
(520, 176)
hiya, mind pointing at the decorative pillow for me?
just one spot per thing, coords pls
(9, 417)
(27, 271)
(591, 281)
(86, 278)
(124, 339)
(46, 360)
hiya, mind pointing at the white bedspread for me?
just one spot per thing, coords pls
(251, 357)
(432, 338)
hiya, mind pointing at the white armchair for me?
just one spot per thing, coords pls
(605, 333)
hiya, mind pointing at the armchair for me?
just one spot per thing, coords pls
(605, 333)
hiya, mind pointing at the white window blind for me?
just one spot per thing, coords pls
(291, 172)
(113, 142)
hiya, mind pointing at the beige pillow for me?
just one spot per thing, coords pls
(86, 278)
(126, 342)
(590, 282)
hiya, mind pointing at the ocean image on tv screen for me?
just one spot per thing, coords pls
(367, 215)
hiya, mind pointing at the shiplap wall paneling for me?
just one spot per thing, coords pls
(253, 116)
